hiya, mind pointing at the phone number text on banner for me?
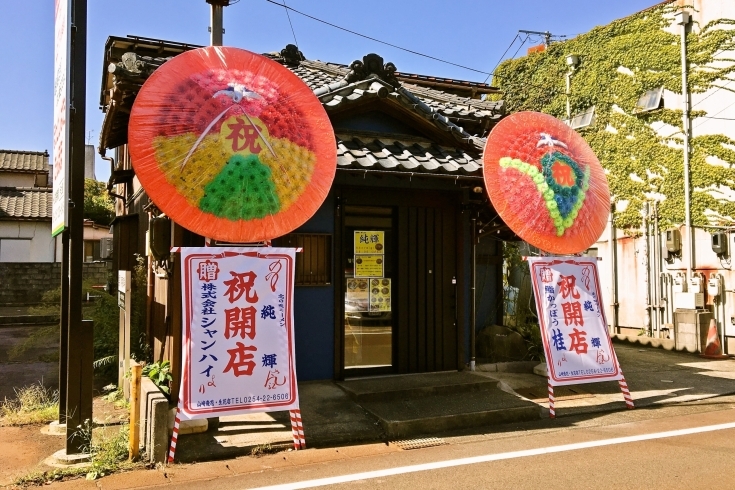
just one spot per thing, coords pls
(573, 325)
(238, 346)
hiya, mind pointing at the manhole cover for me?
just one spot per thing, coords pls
(419, 443)
(561, 393)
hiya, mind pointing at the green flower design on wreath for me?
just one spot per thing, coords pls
(561, 182)
(244, 189)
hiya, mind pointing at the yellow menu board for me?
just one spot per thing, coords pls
(369, 265)
(369, 242)
(380, 294)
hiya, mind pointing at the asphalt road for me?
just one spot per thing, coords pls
(688, 446)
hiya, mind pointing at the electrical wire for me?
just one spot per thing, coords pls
(285, 7)
(519, 47)
(503, 56)
(378, 40)
(717, 118)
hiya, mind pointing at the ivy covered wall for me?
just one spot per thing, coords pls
(641, 153)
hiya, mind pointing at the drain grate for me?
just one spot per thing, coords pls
(419, 443)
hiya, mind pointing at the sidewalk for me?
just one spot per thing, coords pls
(338, 427)
(654, 376)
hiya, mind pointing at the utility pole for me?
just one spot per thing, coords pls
(216, 28)
(683, 19)
(547, 35)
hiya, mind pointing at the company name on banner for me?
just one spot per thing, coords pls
(238, 333)
(573, 325)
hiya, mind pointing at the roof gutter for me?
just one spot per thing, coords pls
(410, 175)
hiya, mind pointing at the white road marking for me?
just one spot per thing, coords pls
(493, 457)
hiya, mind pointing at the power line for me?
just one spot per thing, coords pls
(285, 7)
(519, 47)
(503, 55)
(718, 118)
(711, 94)
(377, 40)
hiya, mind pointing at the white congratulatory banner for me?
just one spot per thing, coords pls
(238, 342)
(60, 153)
(573, 325)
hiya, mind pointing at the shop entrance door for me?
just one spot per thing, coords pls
(399, 284)
(368, 290)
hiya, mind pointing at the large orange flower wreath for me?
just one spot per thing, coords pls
(231, 145)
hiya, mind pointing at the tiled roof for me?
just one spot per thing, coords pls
(381, 152)
(318, 74)
(25, 203)
(442, 102)
(24, 161)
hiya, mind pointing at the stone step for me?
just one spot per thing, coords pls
(401, 387)
(416, 416)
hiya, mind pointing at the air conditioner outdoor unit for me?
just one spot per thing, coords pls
(105, 247)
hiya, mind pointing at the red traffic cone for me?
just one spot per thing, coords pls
(713, 350)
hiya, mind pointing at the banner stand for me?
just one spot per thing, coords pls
(577, 344)
(175, 436)
(297, 429)
(552, 411)
(238, 352)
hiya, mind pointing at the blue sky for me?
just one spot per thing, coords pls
(473, 33)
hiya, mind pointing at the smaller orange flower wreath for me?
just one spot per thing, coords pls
(546, 183)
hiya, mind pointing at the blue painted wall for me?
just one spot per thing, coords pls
(314, 311)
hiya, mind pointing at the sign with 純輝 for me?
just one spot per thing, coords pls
(573, 326)
(238, 339)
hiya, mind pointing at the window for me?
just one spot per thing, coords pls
(583, 119)
(650, 101)
(314, 264)
(91, 250)
(41, 180)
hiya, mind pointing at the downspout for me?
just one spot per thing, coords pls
(657, 268)
(109, 182)
(613, 270)
(149, 295)
(647, 270)
(657, 271)
(683, 19)
(473, 279)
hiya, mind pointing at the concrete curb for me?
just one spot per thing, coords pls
(507, 367)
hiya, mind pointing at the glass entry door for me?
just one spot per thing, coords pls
(369, 289)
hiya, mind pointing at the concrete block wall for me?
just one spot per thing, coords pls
(153, 421)
(24, 283)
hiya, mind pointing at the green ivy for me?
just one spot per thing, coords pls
(651, 57)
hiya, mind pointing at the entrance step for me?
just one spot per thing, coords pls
(413, 405)
(400, 387)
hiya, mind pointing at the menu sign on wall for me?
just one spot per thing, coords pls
(380, 294)
(369, 242)
(369, 265)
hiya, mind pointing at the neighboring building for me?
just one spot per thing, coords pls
(409, 164)
(95, 241)
(640, 145)
(25, 207)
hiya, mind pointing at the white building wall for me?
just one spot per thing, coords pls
(8, 179)
(26, 241)
(631, 269)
